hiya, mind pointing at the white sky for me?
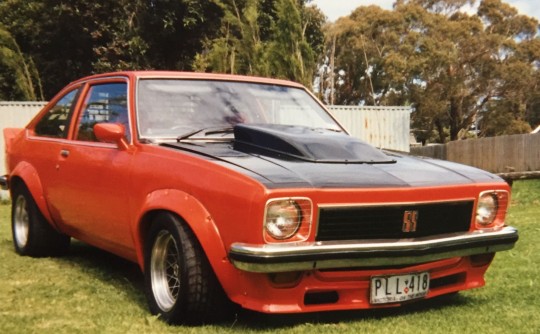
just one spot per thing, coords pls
(337, 8)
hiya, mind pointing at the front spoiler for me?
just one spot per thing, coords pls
(272, 258)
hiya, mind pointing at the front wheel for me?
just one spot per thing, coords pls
(32, 234)
(179, 283)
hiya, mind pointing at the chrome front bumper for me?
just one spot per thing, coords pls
(272, 258)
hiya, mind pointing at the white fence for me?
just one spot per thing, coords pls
(384, 127)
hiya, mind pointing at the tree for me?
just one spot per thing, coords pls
(56, 35)
(517, 74)
(17, 73)
(175, 30)
(70, 39)
(455, 69)
(362, 43)
(117, 43)
(290, 54)
(267, 38)
(238, 48)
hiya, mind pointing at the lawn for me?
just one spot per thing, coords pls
(89, 291)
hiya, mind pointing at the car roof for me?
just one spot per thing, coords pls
(191, 76)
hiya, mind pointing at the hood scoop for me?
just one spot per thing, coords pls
(307, 144)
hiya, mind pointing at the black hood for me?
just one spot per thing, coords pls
(307, 144)
(290, 156)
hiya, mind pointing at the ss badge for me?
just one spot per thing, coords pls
(410, 219)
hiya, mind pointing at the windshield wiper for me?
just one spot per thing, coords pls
(329, 129)
(187, 135)
(219, 130)
(205, 131)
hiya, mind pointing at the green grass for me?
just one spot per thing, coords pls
(90, 291)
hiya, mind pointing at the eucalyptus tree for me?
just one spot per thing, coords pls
(456, 69)
(516, 77)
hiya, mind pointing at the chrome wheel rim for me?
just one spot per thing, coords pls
(21, 222)
(165, 271)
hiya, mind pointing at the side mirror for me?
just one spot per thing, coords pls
(112, 133)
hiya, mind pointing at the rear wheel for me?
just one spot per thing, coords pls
(32, 234)
(180, 285)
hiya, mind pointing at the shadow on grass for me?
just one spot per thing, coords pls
(110, 268)
(254, 320)
(107, 268)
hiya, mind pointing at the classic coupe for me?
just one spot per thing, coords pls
(233, 190)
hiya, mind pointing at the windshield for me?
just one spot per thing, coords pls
(181, 109)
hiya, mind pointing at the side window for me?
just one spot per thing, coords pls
(105, 103)
(55, 123)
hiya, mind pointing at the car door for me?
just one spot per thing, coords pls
(91, 196)
(46, 135)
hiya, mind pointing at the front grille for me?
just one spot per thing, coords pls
(387, 222)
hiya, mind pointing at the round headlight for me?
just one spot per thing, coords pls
(486, 211)
(283, 219)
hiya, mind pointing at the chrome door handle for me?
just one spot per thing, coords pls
(64, 153)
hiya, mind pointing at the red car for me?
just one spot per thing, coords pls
(229, 188)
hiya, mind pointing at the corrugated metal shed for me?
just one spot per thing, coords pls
(384, 127)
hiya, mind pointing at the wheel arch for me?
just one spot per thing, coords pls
(25, 174)
(192, 212)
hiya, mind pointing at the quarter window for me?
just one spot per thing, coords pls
(106, 103)
(55, 123)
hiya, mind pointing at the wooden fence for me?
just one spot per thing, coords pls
(513, 157)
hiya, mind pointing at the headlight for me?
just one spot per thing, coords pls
(283, 219)
(287, 219)
(491, 209)
(487, 209)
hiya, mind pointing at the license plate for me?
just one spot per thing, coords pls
(398, 288)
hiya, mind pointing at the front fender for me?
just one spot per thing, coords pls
(196, 216)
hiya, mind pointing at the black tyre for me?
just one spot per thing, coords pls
(180, 285)
(32, 234)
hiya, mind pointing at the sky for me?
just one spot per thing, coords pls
(337, 8)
